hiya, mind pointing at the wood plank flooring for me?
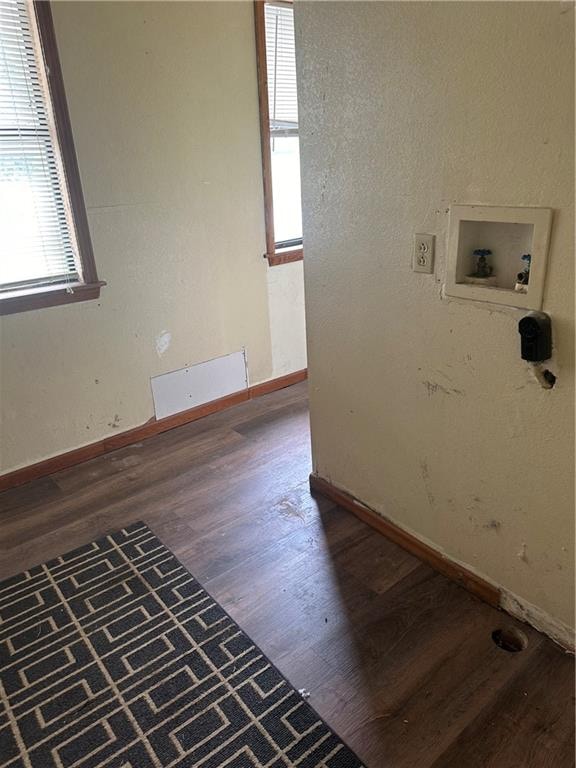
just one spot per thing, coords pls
(398, 660)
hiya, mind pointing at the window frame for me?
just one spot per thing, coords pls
(37, 297)
(282, 256)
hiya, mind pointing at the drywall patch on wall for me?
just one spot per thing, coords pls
(163, 341)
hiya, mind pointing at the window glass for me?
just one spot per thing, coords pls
(286, 188)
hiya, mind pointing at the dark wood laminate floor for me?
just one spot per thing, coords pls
(398, 659)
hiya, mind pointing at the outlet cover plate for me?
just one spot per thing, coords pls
(423, 254)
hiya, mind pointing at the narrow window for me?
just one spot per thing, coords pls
(279, 130)
(45, 251)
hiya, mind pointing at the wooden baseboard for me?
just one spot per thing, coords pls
(470, 581)
(149, 429)
(282, 381)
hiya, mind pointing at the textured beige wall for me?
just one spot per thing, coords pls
(421, 405)
(163, 102)
(287, 319)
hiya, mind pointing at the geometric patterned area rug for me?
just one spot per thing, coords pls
(114, 656)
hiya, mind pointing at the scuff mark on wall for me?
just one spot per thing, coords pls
(433, 387)
(163, 341)
(426, 478)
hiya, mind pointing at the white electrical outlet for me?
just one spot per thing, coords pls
(423, 254)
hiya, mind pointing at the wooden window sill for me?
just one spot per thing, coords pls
(285, 257)
(48, 296)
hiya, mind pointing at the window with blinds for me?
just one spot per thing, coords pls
(38, 242)
(281, 59)
(282, 98)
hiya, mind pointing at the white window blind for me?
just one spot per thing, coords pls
(37, 239)
(281, 66)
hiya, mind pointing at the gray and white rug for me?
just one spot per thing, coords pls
(114, 656)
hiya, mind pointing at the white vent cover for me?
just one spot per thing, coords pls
(199, 384)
